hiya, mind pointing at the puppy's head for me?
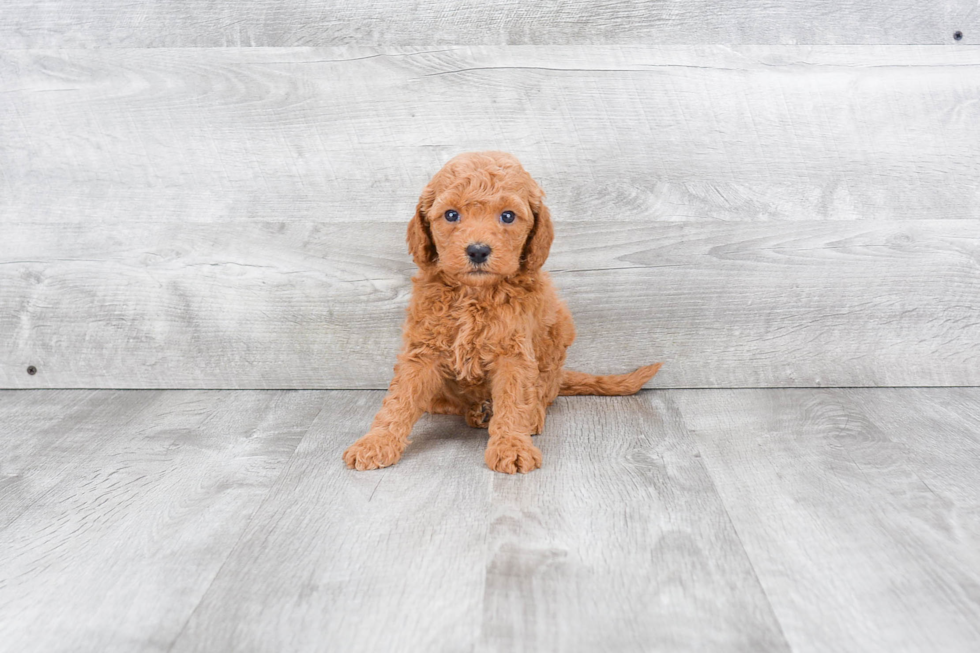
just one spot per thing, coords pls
(481, 219)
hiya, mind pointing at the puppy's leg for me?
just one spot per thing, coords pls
(445, 404)
(515, 404)
(415, 384)
(540, 412)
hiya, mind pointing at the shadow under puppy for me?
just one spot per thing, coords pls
(486, 334)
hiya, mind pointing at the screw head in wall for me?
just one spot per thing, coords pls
(31, 370)
(957, 35)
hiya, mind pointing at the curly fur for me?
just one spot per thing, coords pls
(483, 341)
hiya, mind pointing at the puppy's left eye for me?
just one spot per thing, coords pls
(507, 217)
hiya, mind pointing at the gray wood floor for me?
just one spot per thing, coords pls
(755, 520)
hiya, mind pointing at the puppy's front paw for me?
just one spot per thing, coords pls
(373, 451)
(512, 454)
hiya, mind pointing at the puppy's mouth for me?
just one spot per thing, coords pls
(478, 276)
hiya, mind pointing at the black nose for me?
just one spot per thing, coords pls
(478, 252)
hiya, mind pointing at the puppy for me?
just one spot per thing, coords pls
(485, 336)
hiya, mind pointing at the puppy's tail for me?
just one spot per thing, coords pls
(580, 383)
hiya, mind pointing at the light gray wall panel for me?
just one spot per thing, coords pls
(261, 304)
(767, 215)
(343, 134)
(177, 23)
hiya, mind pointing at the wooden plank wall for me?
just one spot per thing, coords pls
(281, 23)
(774, 214)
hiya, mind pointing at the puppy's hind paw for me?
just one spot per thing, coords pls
(478, 417)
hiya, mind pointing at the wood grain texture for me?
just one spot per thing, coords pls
(828, 491)
(233, 218)
(126, 528)
(48, 434)
(183, 23)
(758, 520)
(941, 445)
(358, 561)
(310, 305)
(619, 542)
(612, 133)
(439, 553)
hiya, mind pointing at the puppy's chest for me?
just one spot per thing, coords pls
(471, 337)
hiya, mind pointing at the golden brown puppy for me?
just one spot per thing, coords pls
(486, 334)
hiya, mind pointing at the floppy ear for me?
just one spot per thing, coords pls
(420, 243)
(538, 242)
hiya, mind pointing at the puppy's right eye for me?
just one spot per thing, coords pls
(451, 216)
